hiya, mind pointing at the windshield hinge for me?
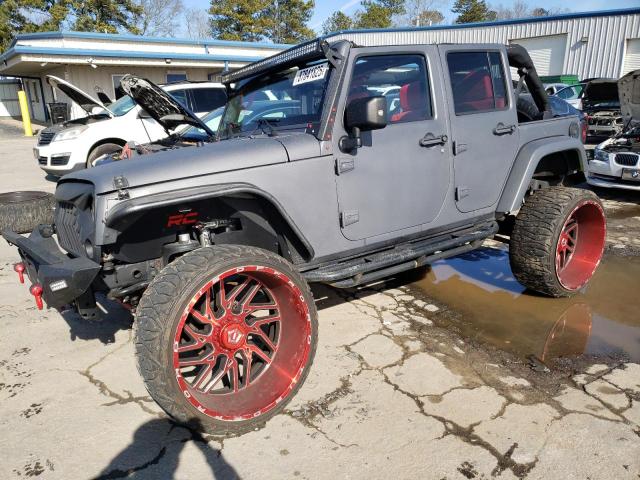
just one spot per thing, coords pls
(120, 183)
(331, 54)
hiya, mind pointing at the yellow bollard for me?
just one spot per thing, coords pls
(24, 110)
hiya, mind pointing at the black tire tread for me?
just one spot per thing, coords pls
(154, 312)
(24, 216)
(533, 240)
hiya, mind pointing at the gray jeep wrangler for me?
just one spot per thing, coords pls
(392, 157)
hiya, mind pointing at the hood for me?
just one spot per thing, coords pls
(629, 91)
(602, 90)
(86, 101)
(162, 107)
(210, 158)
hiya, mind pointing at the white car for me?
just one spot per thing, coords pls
(553, 88)
(77, 143)
(616, 161)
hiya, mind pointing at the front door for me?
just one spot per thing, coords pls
(399, 178)
(483, 123)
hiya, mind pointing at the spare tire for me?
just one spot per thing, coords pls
(24, 211)
(527, 110)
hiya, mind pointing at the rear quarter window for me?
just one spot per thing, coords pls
(207, 99)
(477, 82)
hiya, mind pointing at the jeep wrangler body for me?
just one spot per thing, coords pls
(395, 157)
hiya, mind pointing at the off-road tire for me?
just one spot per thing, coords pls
(158, 315)
(102, 150)
(24, 211)
(527, 110)
(536, 233)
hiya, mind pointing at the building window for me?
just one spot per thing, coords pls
(477, 81)
(176, 77)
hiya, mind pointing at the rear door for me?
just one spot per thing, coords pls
(399, 178)
(483, 121)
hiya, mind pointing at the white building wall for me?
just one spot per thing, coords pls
(601, 55)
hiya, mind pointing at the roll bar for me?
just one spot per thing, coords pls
(519, 58)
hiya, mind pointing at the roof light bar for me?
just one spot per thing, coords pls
(297, 53)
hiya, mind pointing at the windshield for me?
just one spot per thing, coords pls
(121, 106)
(570, 93)
(211, 120)
(287, 97)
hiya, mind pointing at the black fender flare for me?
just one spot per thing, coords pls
(525, 166)
(127, 212)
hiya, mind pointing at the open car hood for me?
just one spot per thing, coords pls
(629, 91)
(602, 90)
(86, 101)
(162, 107)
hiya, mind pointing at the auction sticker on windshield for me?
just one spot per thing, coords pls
(311, 74)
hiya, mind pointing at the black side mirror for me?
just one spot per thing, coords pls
(363, 115)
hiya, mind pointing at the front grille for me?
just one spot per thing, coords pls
(626, 159)
(68, 228)
(46, 136)
(42, 160)
(60, 160)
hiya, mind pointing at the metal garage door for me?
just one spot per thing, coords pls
(632, 56)
(547, 52)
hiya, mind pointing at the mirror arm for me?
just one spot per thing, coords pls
(353, 141)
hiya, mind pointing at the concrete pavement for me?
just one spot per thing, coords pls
(390, 394)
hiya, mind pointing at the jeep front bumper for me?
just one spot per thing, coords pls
(62, 278)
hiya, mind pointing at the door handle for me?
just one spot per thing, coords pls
(501, 129)
(430, 140)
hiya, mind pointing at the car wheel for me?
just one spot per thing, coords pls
(24, 211)
(558, 240)
(225, 337)
(101, 150)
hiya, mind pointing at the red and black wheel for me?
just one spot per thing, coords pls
(225, 337)
(558, 240)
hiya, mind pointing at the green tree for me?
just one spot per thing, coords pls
(336, 22)
(472, 11)
(287, 20)
(378, 13)
(106, 16)
(239, 19)
(28, 16)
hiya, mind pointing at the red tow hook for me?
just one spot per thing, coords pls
(36, 291)
(19, 268)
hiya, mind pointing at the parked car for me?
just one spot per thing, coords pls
(553, 88)
(75, 144)
(214, 246)
(616, 161)
(598, 98)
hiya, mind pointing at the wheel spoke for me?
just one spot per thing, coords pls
(258, 322)
(237, 290)
(259, 306)
(263, 356)
(248, 358)
(204, 373)
(264, 337)
(250, 295)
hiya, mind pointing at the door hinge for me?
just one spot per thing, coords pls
(461, 192)
(344, 165)
(121, 184)
(349, 217)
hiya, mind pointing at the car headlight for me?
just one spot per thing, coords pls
(601, 155)
(69, 133)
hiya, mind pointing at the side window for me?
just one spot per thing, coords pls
(207, 99)
(401, 79)
(477, 81)
(180, 96)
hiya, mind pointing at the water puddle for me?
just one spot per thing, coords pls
(486, 303)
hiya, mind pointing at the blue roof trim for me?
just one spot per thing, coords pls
(120, 37)
(124, 54)
(562, 16)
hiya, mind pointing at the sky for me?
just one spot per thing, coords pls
(324, 8)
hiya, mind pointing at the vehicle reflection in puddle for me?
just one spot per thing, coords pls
(486, 303)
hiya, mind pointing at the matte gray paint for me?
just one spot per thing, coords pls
(398, 189)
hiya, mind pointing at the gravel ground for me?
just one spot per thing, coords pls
(390, 395)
